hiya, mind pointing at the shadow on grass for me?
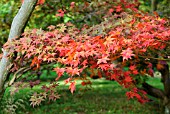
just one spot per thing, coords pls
(105, 97)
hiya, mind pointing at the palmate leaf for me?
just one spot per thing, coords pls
(124, 40)
(127, 54)
(72, 87)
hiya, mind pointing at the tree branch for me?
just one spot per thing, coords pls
(17, 27)
(165, 78)
(155, 92)
(18, 74)
(163, 95)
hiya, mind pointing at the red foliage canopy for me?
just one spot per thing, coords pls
(131, 41)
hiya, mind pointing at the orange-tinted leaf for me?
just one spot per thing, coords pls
(59, 72)
(159, 66)
(128, 79)
(72, 87)
(40, 2)
(103, 60)
(104, 66)
(36, 62)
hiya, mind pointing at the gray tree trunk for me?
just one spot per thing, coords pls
(17, 27)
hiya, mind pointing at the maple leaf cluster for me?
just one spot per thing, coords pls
(131, 40)
(40, 2)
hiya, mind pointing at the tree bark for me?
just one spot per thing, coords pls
(166, 82)
(153, 5)
(165, 94)
(17, 27)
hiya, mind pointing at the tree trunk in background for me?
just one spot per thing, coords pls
(165, 94)
(17, 27)
(153, 5)
(166, 82)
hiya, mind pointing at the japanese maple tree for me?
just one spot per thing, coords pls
(126, 46)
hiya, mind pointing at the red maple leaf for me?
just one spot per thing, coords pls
(111, 10)
(118, 8)
(132, 67)
(59, 72)
(72, 4)
(126, 73)
(104, 66)
(135, 72)
(84, 63)
(60, 13)
(128, 79)
(103, 60)
(113, 77)
(73, 71)
(127, 54)
(40, 2)
(72, 87)
(65, 38)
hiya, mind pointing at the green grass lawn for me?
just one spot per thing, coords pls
(105, 97)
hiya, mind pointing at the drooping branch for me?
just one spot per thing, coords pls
(18, 74)
(165, 78)
(155, 92)
(17, 27)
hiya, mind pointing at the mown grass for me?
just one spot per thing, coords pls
(105, 97)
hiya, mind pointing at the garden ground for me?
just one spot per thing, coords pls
(104, 97)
